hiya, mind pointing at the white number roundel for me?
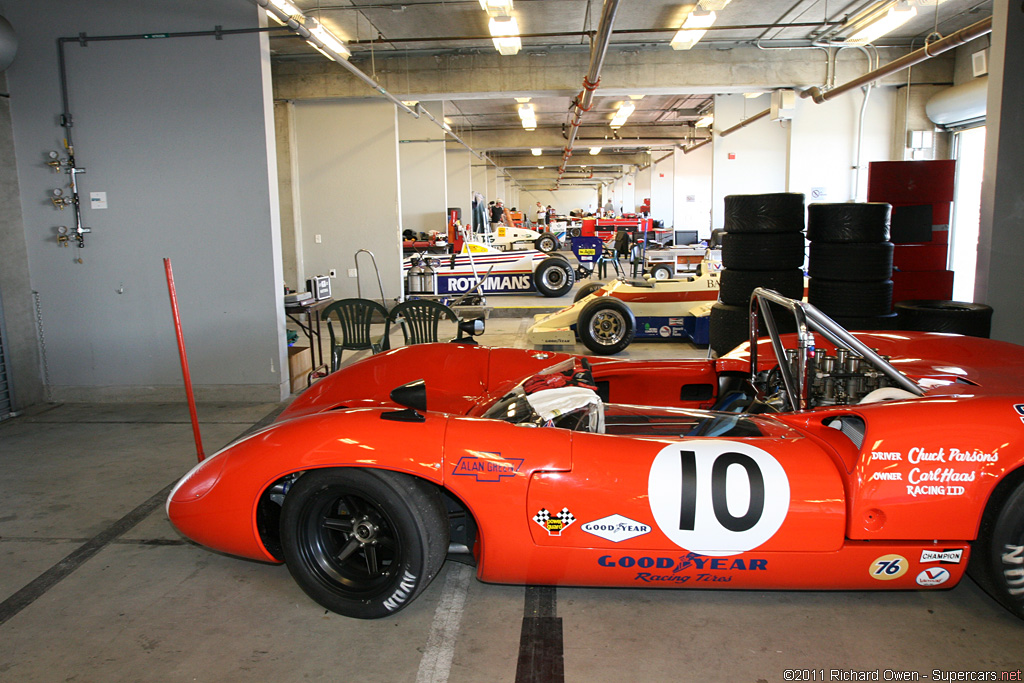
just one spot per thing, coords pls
(717, 497)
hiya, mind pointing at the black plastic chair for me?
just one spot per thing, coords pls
(420, 319)
(355, 318)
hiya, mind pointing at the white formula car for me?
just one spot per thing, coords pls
(606, 318)
(514, 272)
(507, 238)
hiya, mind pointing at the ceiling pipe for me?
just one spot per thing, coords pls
(577, 34)
(956, 39)
(585, 99)
(306, 35)
(964, 35)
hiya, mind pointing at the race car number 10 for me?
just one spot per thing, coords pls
(717, 497)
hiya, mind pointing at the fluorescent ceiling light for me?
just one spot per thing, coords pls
(595, 150)
(896, 15)
(536, 151)
(523, 100)
(528, 116)
(752, 95)
(693, 29)
(329, 40)
(705, 121)
(713, 5)
(636, 97)
(625, 109)
(505, 34)
(286, 7)
(497, 8)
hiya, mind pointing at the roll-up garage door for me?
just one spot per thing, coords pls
(960, 107)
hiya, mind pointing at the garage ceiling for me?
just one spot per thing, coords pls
(388, 28)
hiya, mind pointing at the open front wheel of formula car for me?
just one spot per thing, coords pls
(554, 276)
(546, 243)
(997, 557)
(363, 543)
(606, 325)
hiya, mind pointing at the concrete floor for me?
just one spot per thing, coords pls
(96, 586)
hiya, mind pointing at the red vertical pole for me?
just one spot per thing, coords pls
(184, 361)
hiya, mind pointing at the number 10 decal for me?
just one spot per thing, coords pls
(717, 497)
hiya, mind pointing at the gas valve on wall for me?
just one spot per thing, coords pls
(60, 200)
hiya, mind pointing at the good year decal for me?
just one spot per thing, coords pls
(717, 497)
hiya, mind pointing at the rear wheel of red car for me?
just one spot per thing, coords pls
(363, 543)
(606, 325)
(997, 557)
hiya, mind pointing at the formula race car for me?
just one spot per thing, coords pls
(508, 238)
(837, 468)
(607, 318)
(513, 272)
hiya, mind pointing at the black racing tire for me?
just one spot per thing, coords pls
(736, 286)
(764, 213)
(997, 556)
(575, 232)
(850, 222)
(853, 299)
(744, 251)
(586, 290)
(392, 530)
(850, 262)
(606, 326)
(554, 276)
(662, 272)
(958, 317)
(870, 323)
(546, 243)
(730, 327)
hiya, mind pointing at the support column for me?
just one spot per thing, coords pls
(348, 170)
(1001, 237)
(460, 180)
(421, 157)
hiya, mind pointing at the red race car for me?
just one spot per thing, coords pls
(886, 460)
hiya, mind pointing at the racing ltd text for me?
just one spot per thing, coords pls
(897, 675)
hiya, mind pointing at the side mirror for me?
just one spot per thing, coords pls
(414, 397)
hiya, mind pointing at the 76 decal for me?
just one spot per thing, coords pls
(718, 497)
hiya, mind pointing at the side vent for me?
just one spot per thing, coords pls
(850, 425)
(697, 392)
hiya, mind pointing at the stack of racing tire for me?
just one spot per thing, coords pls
(850, 264)
(762, 246)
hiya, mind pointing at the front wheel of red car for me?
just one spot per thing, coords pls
(997, 558)
(363, 543)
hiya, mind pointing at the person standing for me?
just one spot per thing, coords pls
(542, 214)
(497, 214)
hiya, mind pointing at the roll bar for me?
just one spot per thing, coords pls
(809, 320)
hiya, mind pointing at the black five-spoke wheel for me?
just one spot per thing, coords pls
(363, 543)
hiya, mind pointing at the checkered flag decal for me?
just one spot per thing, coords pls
(554, 524)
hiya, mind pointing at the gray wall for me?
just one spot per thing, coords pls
(346, 171)
(177, 132)
(1001, 232)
